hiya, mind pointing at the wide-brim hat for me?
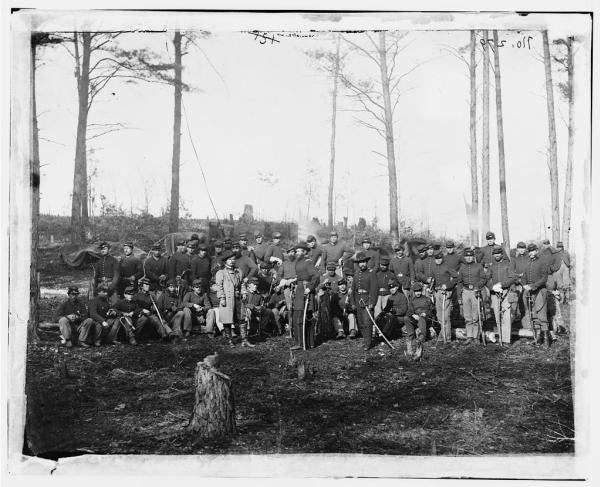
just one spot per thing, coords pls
(73, 290)
(227, 255)
(302, 245)
(361, 257)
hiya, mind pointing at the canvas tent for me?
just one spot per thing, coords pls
(81, 255)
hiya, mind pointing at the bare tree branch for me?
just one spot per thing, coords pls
(362, 49)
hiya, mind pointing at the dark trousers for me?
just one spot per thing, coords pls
(297, 318)
(365, 325)
(152, 323)
(411, 324)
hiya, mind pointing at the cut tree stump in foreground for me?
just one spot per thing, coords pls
(214, 410)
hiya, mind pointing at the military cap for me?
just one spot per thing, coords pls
(291, 249)
(438, 255)
(366, 240)
(532, 247)
(236, 245)
(202, 246)
(521, 245)
(264, 265)
(333, 233)
(227, 241)
(194, 236)
(311, 238)
(128, 290)
(277, 235)
(490, 235)
(349, 272)
(102, 288)
(398, 248)
(469, 252)
(436, 246)
(144, 280)
(103, 244)
(342, 281)
(417, 286)
(128, 244)
(449, 244)
(253, 280)
(257, 234)
(180, 243)
(171, 282)
(197, 283)
(331, 266)
(302, 245)
(156, 247)
(73, 290)
(218, 243)
(227, 255)
(384, 259)
(546, 241)
(361, 257)
(243, 236)
(497, 250)
(393, 283)
(560, 245)
(421, 248)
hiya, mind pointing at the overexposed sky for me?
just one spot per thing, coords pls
(267, 109)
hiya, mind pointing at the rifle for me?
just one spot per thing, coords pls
(479, 305)
(361, 301)
(501, 313)
(162, 322)
(443, 333)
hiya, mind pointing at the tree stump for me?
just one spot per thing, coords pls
(214, 410)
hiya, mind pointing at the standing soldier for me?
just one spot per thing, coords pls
(245, 250)
(274, 253)
(130, 269)
(155, 268)
(500, 280)
(200, 266)
(304, 298)
(215, 261)
(260, 248)
(244, 263)
(365, 294)
(419, 312)
(563, 278)
(534, 280)
(106, 269)
(180, 263)
(444, 280)
(424, 266)
(518, 265)
(316, 253)
(229, 293)
(452, 259)
(471, 278)
(373, 263)
(383, 276)
(553, 261)
(335, 251)
(485, 256)
(148, 313)
(71, 316)
(403, 268)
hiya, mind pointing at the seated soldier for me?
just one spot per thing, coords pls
(148, 317)
(128, 311)
(286, 275)
(419, 311)
(169, 306)
(324, 325)
(261, 318)
(71, 316)
(105, 323)
(392, 316)
(194, 305)
(344, 311)
(212, 314)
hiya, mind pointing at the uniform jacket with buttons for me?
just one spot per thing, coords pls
(200, 268)
(67, 308)
(98, 309)
(471, 276)
(155, 268)
(419, 305)
(485, 256)
(364, 286)
(424, 268)
(453, 260)
(500, 272)
(404, 269)
(536, 273)
(260, 250)
(333, 253)
(131, 266)
(442, 274)
(397, 304)
(107, 269)
(123, 306)
(307, 276)
(178, 263)
(383, 278)
(273, 251)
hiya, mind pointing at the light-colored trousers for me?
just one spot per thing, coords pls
(443, 308)
(503, 316)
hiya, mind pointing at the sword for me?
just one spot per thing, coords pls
(361, 301)
(304, 323)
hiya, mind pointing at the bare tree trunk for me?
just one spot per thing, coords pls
(83, 81)
(566, 223)
(485, 154)
(214, 409)
(552, 156)
(389, 139)
(336, 70)
(174, 212)
(35, 205)
(474, 209)
(501, 165)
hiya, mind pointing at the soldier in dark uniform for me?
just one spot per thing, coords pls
(105, 325)
(227, 244)
(307, 282)
(179, 265)
(452, 258)
(244, 263)
(128, 312)
(471, 278)
(392, 316)
(316, 253)
(485, 256)
(444, 279)
(106, 269)
(534, 280)
(403, 268)
(201, 266)
(245, 250)
(260, 248)
(383, 275)
(215, 261)
(169, 305)
(501, 279)
(274, 254)
(148, 318)
(130, 269)
(373, 254)
(155, 268)
(196, 303)
(365, 294)
(336, 251)
(420, 311)
(330, 278)
(71, 316)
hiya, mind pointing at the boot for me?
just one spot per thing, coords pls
(227, 331)
(409, 347)
(547, 339)
(537, 340)
(244, 333)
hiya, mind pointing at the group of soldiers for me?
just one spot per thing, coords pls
(316, 292)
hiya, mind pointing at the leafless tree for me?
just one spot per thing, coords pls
(485, 149)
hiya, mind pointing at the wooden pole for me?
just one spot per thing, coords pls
(214, 409)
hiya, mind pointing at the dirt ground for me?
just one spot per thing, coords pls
(458, 400)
